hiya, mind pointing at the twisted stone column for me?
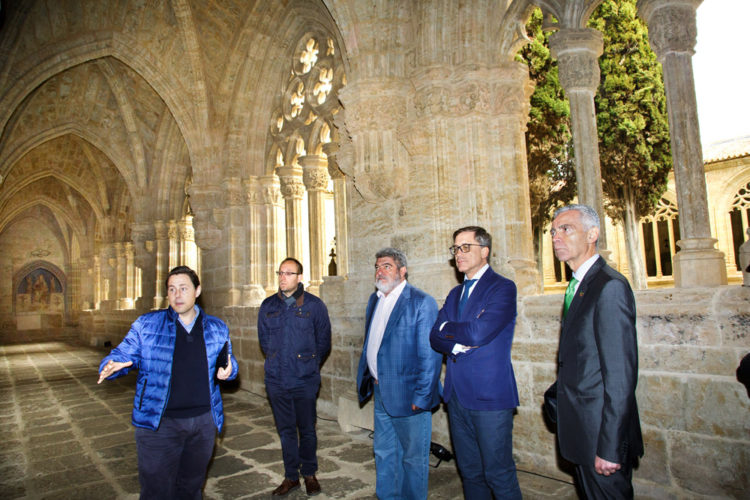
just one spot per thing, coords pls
(293, 190)
(672, 34)
(577, 52)
(315, 177)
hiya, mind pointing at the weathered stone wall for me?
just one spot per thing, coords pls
(693, 411)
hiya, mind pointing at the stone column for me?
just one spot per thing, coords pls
(108, 277)
(577, 52)
(339, 208)
(96, 278)
(174, 247)
(293, 190)
(128, 300)
(275, 242)
(161, 231)
(252, 291)
(315, 176)
(234, 227)
(672, 33)
(143, 235)
(121, 272)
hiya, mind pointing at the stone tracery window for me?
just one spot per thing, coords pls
(302, 136)
(739, 217)
(659, 233)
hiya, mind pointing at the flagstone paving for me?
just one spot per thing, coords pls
(66, 437)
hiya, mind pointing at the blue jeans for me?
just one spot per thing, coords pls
(172, 460)
(402, 453)
(294, 411)
(483, 442)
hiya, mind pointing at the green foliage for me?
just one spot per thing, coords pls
(631, 112)
(548, 137)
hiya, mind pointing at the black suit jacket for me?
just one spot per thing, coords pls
(598, 372)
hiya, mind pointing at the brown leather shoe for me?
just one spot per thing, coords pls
(312, 485)
(286, 486)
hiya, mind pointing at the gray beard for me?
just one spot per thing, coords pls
(386, 288)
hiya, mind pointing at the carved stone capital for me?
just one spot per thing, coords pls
(444, 93)
(252, 190)
(207, 201)
(671, 25)
(235, 195)
(292, 186)
(373, 105)
(207, 235)
(271, 190)
(577, 52)
(315, 172)
(141, 232)
(160, 230)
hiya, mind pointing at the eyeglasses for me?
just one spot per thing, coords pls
(286, 273)
(465, 248)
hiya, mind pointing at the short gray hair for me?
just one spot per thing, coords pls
(589, 217)
(397, 255)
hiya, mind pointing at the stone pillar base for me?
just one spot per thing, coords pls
(697, 263)
(351, 417)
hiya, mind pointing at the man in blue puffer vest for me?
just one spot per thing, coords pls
(295, 334)
(177, 409)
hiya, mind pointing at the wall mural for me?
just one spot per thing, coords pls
(39, 291)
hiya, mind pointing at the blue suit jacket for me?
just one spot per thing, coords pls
(408, 368)
(481, 378)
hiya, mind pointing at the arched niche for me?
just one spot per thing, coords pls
(39, 296)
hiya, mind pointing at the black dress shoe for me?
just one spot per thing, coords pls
(285, 487)
(312, 485)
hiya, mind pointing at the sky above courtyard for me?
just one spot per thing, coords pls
(722, 74)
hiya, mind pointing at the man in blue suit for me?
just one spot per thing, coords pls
(401, 370)
(474, 330)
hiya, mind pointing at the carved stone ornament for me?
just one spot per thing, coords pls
(672, 29)
(315, 178)
(292, 186)
(207, 235)
(577, 52)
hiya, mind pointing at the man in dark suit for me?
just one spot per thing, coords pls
(598, 427)
(474, 330)
(399, 367)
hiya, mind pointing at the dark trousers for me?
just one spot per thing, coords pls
(594, 486)
(483, 442)
(172, 461)
(294, 412)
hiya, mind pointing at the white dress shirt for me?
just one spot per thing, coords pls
(380, 317)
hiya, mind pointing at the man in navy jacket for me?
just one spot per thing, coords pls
(178, 408)
(295, 335)
(401, 369)
(474, 329)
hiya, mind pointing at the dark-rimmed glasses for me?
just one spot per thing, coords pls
(465, 248)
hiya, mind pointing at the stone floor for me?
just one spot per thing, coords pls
(64, 437)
